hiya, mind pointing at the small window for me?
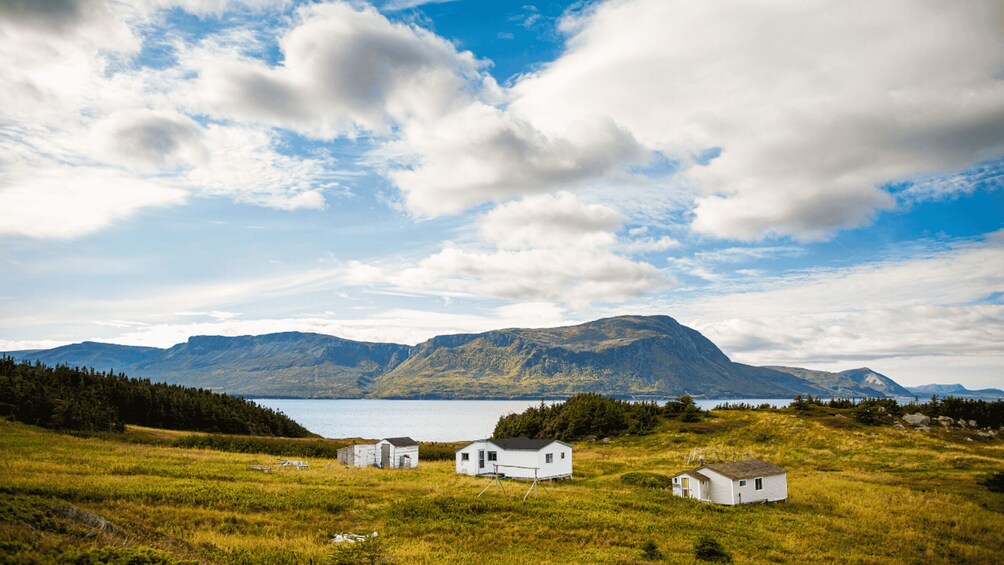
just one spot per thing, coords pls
(758, 483)
(465, 456)
(562, 454)
(549, 458)
(676, 480)
(493, 456)
(742, 482)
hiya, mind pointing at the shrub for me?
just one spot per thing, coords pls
(995, 482)
(707, 548)
(369, 551)
(650, 551)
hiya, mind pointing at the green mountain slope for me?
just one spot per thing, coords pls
(626, 356)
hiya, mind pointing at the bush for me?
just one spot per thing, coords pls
(369, 551)
(707, 548)
(995, 482)
(581, 416)
(650, 551)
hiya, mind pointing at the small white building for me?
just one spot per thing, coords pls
(359, 455)
(388, 453)
(733, 483)
(397, 453)
(518, 458)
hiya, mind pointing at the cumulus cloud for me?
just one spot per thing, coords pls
(552, 248)
(560, 220)
(152, 140)
(813, 107)
(481, 153)
(345, 69)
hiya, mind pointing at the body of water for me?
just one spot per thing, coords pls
(422, 420)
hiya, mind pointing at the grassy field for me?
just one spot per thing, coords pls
(856, 495)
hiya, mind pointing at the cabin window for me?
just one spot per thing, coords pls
(549, 458)
(493, 456)
(758, 483)
(562, 454)
(465, 456)
(742, 482)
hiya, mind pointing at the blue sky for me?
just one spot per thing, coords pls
(814, 184)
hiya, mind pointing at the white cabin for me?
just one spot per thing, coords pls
(388, 453)
(397, 453)
(733, 483)
(518, 458)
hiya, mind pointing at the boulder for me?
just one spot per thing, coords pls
(945, 421)
(924, 429)
(917, 419)
(972, 423)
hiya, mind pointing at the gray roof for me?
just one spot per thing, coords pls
(747, 469)
(400, 441)
(695, 474)
(522, 443)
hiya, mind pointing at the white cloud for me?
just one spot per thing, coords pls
(152, 140)
(648, 245)
(932, 302)
(813, 106)
(542, 248)
(345, 69)
(63, 202)
(481, 153)
(560, 220)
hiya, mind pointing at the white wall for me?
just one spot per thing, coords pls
(774, 488)
(395, 454)
(521, 458)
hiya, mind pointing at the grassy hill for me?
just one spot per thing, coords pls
(638, 356)
(856, 494)
(627, 355)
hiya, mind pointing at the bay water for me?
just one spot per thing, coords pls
(421, 420)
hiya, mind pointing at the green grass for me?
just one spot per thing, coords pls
(857, 494)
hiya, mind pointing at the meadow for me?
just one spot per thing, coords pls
(857, 494)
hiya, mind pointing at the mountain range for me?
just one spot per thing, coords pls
(625, 356)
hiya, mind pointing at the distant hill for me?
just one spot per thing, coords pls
(853, 382)
(626, 356)
(957, 390)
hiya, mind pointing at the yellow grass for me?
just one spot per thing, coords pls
(856, 495)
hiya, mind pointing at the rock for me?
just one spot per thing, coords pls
(917, 419)
(972, 423)
(945, 421)
(924, 429)
(899, 426)
(962, 422)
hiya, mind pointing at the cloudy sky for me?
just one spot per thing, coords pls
(807, 183)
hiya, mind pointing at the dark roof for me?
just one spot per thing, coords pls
(522, 443)
(400, 441)
(695, 474)
(745, 469)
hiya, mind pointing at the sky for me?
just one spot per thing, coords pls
(810, 183)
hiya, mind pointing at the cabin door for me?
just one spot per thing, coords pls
(481, 460)
(685, 483)
(385, 455)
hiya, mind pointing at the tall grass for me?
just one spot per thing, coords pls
(856, 494)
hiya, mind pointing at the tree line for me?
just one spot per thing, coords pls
(74, 398)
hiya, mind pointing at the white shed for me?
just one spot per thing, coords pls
(397, 453)
(359, 455)
(517, 458)
(736, 482)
